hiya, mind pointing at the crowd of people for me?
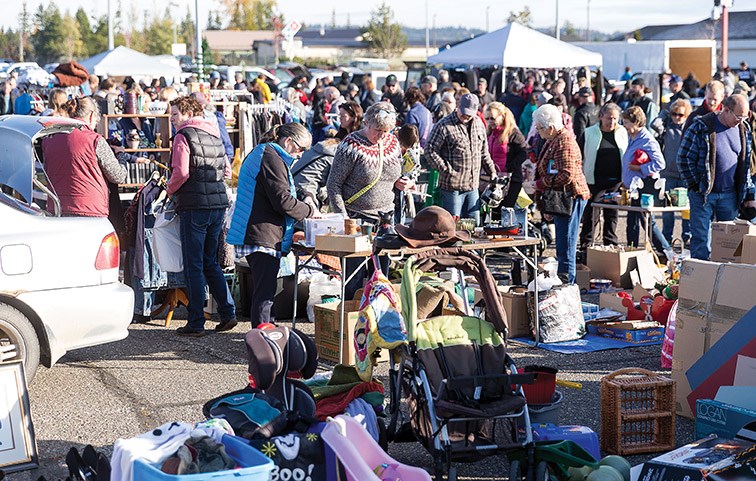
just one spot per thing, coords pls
(357, 150)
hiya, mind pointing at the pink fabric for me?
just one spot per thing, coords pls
(498, 150)
(180, 154)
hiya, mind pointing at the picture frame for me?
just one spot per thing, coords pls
(18, 445)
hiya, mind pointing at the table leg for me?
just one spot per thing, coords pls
(296, 291)
(649, 231)
(536, 320)
(594, 222)
(342, 308)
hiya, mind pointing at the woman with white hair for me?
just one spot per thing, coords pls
(559, 171)
(366, 168)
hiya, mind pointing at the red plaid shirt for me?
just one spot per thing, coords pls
(563, 153)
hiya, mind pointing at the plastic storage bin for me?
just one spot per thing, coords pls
(255, 466)
(546, 413)
(585, 437)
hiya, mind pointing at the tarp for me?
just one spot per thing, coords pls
(123, 61)
(517, 46)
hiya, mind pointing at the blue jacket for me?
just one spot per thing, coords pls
(646, 142)
(421, 118)
(266, 203)
(697, 158)
(225, 138)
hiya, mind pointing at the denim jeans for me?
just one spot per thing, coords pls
(567, 232)
(465, 205)
(668, 218)
(715, 206)
(200, 230)
(634, 222)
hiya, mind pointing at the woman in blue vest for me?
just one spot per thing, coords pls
(266, 209)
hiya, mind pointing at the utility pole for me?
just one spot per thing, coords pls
(488, 10)
(557, 20)
(111, 35)
(588, 21)
(199, 61)
(427, 32)
(726, 4)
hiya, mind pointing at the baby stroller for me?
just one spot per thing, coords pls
(463, 396)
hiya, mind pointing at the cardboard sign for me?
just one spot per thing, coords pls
(18, 447)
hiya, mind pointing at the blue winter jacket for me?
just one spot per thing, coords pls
(647, 143)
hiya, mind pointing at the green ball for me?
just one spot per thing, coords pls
(619, 463)
(605, 473)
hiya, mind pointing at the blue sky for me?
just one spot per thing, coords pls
(606, 15)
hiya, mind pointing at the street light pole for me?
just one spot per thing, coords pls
(488, 10)
(427, 32)
(557, 20)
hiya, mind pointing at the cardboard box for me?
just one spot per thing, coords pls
(614, 265)
(748, 253)
(712, 298)
(637, 332)
(699, 460)
(514, 300)
(611, 301)
(343, 243)
(327, 332)
(726, 237)
(583, 276)
(721, 419)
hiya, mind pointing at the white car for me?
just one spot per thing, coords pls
(59, 286)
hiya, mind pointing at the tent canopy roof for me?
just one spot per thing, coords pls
(517, 46)
(123, 61)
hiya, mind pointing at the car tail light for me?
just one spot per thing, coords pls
(109, 254)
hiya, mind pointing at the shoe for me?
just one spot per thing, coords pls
(189, 332)
(227, 325)
(140, 319)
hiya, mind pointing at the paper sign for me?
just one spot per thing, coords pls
(291, 29)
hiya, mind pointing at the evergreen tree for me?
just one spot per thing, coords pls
(49, 36)
(384, 36)
(24, 24)
(186, 33)
(87, 36)
(98, 42)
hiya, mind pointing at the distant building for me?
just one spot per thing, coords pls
(254, 47)
(741, 36)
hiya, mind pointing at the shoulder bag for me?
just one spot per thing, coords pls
(556, 202)
(365, 189)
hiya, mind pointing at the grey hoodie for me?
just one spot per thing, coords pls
(311, 171)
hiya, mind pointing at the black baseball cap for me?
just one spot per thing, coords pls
(391, 80)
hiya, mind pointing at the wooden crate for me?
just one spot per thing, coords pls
(637, 412)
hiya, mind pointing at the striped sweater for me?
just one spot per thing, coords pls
(355, 166)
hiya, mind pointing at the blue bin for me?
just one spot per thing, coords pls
(255, 466)
(583, 436)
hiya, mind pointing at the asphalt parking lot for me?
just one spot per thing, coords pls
(96, 395)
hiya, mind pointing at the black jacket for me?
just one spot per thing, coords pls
(585, 116)
(204, 189)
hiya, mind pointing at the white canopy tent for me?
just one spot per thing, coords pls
(123, 61)
(517, 46)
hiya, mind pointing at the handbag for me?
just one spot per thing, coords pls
(166, 239)
(556, 202)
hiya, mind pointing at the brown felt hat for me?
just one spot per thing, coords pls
(432, 226)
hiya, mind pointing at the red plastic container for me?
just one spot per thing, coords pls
(542, 390)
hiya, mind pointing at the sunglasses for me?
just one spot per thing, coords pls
(677, 114)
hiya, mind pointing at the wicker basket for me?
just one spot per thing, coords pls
(637, 412)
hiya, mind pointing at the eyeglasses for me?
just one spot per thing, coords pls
(739, 118)
(489, 118)
(678, 114)
(300, 149)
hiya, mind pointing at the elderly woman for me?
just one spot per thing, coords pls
(643, 160)
(560, 169)
(266, 209)
(668, 128)
(507, 147)
(603, 145)
(365, 170)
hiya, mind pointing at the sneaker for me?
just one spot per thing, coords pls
(189, 332)
(227, 325)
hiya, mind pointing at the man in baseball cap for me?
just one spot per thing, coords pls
(394, 94)
(457, 147)
(429, 88)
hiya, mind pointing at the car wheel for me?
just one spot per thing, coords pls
(18, 341)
